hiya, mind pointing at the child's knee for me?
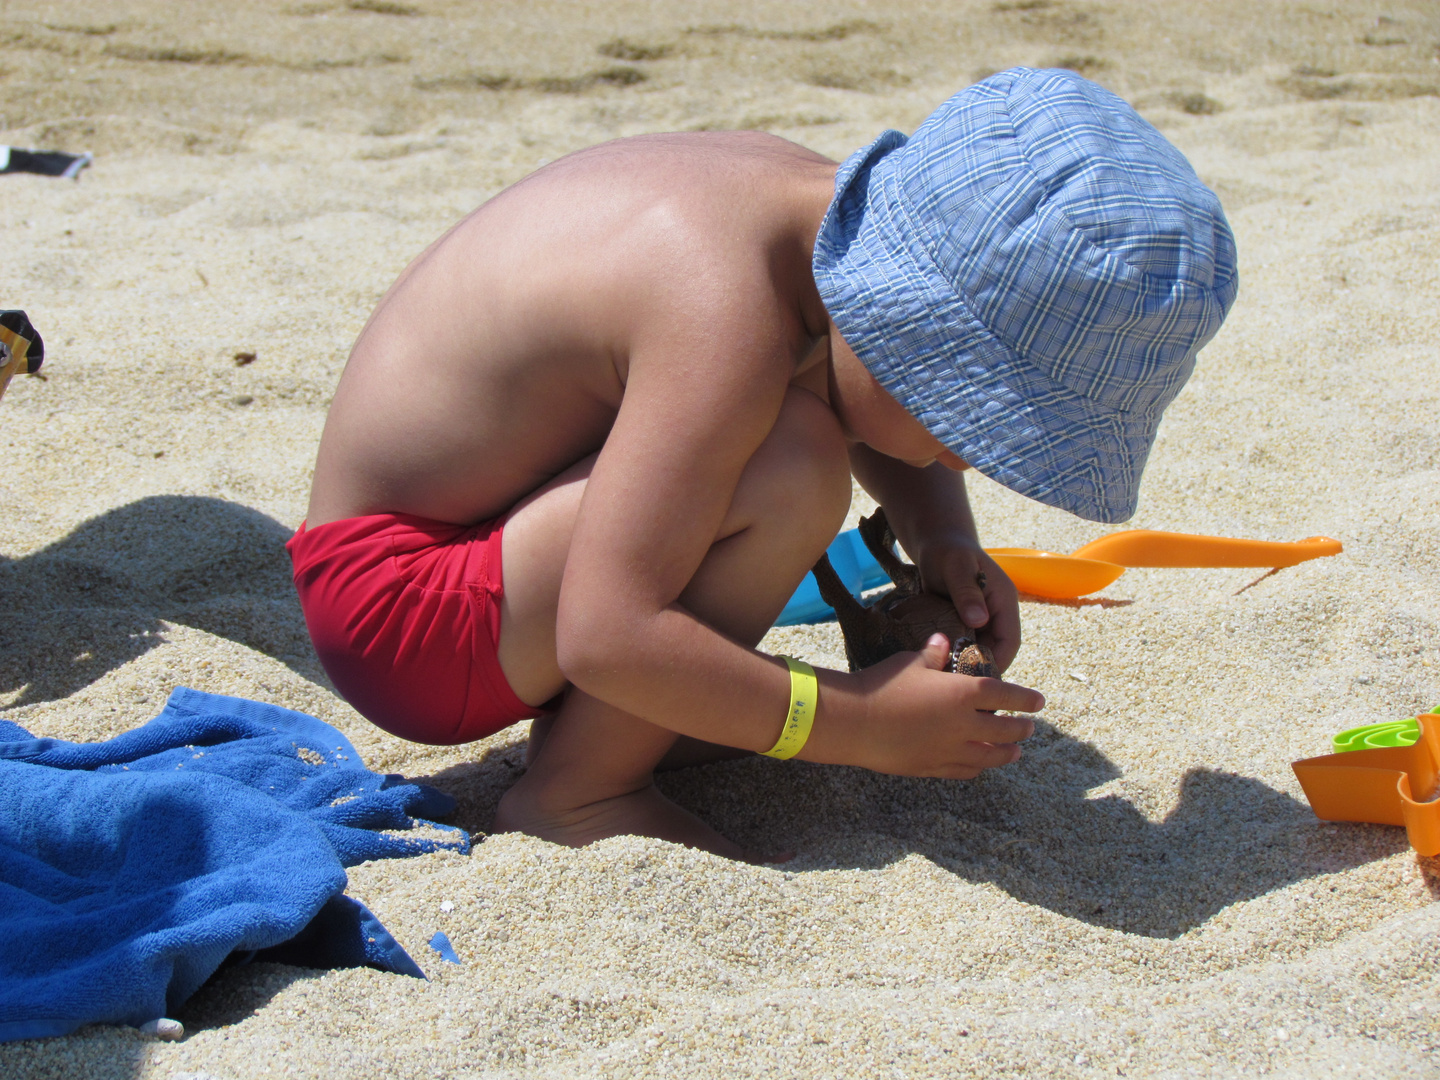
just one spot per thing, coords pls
(807, 464)
(826, 466)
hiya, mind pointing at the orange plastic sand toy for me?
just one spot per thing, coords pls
(1100, 562)
(1392, 785)
(1056, 577)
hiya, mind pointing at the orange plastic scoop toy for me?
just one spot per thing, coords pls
(1100, 562)
(1392, 785)
(1059, 577)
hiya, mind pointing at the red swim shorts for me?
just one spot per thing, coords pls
(405, 616)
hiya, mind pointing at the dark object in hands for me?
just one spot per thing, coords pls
(902, 619)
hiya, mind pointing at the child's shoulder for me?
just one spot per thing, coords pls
(695, 174)
(652, 223)
(709, 151)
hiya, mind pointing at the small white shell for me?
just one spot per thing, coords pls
(164, 1028)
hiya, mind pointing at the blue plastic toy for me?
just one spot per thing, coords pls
(441, 944)
(855, 566)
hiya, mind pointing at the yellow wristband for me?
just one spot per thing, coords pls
(804, 691)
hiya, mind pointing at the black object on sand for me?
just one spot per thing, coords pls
(44, 162)
(21, 350)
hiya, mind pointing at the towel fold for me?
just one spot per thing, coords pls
(131, 869)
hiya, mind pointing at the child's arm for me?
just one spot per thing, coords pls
(930, 513)
(702, 392)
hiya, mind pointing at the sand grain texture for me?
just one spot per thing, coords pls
(1144, 894)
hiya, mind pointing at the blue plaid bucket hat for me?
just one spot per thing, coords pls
(1031, 275)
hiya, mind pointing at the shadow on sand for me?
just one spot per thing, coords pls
(123, 1053)
(102, 596)
(1029, 829)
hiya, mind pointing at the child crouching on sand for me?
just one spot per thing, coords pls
(638, 383)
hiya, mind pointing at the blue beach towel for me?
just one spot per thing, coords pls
(131, 869)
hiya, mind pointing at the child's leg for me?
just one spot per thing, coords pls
(685, 753)
(591, 777)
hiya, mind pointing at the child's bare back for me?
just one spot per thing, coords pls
(592, 439)
(503, 353)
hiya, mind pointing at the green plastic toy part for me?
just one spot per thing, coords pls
(1373, 736)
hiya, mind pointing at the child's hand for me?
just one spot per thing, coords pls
(982, 594)
(909, 717)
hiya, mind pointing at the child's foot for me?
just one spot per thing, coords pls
(645, 812)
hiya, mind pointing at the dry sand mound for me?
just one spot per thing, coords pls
(1144, 894)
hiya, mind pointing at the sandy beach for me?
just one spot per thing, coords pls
(1145, 894)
